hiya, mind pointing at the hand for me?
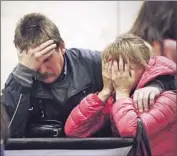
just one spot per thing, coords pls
(33, 58)
(107, 81)
(144, 97)
(122, 77)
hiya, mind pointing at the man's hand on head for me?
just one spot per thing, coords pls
(33, 58)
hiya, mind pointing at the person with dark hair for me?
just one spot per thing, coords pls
(156, 23)
(50, 80)
(4, 128)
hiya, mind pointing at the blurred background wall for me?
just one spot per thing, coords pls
(82, 24)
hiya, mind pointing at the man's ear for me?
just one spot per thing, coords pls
(61, 47)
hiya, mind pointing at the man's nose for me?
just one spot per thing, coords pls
(42, 69)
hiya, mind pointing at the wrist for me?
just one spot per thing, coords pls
(29, 66)
(158, 84)
(122, 95)
(104, 95)
(24, 75)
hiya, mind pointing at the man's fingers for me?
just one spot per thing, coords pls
(151, 98)
(47, 55)
(140, 101)
(146, 100)
(43, 45)
(143, 99)
(46, 50)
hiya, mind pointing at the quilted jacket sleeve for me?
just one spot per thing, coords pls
(161, 115)
(87, 117)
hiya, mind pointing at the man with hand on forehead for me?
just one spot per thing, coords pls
(50, 80)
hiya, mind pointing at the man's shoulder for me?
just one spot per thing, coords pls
(83, 53)
(10, 77)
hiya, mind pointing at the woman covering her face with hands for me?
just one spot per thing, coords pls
(128, 64)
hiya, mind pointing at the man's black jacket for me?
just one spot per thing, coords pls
(54, 101)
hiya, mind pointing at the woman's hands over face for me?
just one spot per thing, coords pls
(107, 80)
(122, 77)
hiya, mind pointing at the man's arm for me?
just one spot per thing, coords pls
(15, 98)
(168, 82)
(144, 97)
(93, 63)
(16, 94)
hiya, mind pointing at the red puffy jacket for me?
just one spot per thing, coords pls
(160, 121)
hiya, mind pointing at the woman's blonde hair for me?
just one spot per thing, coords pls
(130, 48)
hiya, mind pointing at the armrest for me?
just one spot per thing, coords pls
(67, 143)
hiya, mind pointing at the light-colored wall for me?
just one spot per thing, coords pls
(90, 24)
(128, 12)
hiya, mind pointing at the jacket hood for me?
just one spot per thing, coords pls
(157, 66)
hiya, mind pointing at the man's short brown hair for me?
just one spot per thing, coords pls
(131, 48)
(34, 29)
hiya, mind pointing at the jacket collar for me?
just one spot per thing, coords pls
(157, 66)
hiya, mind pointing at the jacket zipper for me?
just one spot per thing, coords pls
(18, 104)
